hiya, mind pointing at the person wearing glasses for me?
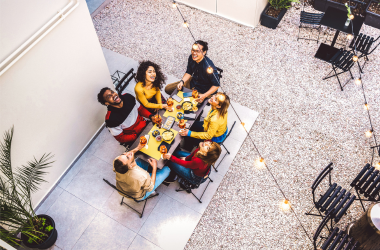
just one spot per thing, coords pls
(213, 127)
(196, 75)
(195, 166)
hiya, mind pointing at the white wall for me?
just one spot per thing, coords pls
(246, 12)
(49, 95)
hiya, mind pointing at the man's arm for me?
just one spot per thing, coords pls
(202, 97)
(186, 77)
(137, 148)
(153, 163)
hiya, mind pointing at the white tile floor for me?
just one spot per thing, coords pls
(88, 213)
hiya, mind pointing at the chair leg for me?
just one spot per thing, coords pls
(216, 168)
(337, 77)
(360, 199)
(228, 152)
(299, 29)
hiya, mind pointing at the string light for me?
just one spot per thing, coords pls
(242, 123)
(355, 58)
(260, 163)
(366, 106)
(349, 36)
(368, 134)
(174, 4)
(210, 70)
(285, 205)
(351, 17)
(185, 24)
(377, 166)
(195, 46)
(358, 81)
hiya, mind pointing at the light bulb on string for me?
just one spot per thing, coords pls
(195, 46)
(285, 205)
(351, 17)
(260, 163)
(174, 4)
(377, 166)
(358, 81)
(349, 36)
(369, 133)
(210, 70)
(355, 58)
(242, 123)
(185, 24)
(366, 106)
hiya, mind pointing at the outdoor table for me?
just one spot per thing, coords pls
(366, 230)
(325, 52)
(335, 18)
(178, 137)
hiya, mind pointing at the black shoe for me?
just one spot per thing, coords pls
(171, 178)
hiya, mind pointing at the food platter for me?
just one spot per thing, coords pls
(167, 135)
(187, 106)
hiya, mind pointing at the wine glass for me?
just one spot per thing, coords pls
(170, 104)
(163, 150)
(194, 94)
(143, 140)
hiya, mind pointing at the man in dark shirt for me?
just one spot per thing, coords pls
(197, 75)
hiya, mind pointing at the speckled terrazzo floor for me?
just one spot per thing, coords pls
(304, 122)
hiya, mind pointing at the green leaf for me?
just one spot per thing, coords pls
(49, 228)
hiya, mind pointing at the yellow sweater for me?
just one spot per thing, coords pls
(214, 126)
(143, 95)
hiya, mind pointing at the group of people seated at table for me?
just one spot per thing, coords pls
(127, 116)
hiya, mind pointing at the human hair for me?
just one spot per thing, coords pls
(101, 95)
(204, 45)
(212, 155)
(141, 74)
(224, 103)
(119, 166)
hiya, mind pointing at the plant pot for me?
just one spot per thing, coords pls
(321, 5)
(372, 19)
(48, 242)
(269, 21)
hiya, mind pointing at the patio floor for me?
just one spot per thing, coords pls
(304, 123)
(88, 214)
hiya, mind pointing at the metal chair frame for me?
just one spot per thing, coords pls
(121, 80)
(128, 196)
(195, 186)
(335, 199)
(341, 60)
(367, 182)
(222, 144)
(363, 44)
(310, 19)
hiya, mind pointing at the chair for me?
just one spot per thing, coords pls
(312, 19)
(335, 200)
(222, 144)
(185, 185)
(137, 201)
(367, 182)
(341, 60)
(363, 43)
(337, 239)
(121, 80)
(220, 71)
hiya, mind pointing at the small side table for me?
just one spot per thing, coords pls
(366, 230)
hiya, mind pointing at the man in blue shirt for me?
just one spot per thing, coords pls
(196, 75)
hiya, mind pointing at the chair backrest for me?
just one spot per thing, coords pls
(326, 171)
(114, 187)
(229, 132)
(310, 18)
(367, 182)
(323, 223)
(220, 71)
(342, 59)
(124, 81)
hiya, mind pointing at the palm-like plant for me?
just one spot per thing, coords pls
(16, 186)
(282, 4)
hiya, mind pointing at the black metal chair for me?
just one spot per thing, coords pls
(137, 201)
(220, 71)
(363, 43)
(337, 239)
(335, 199)
(367, 182)
(121, 80)
(222, 144)
(187, 186)
(341, 60)
(312, 20)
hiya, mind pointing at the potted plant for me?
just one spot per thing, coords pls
(372, 17)
(321, 5)
(17, 215)
(274, 12)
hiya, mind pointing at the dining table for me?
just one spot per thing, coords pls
(152, 143)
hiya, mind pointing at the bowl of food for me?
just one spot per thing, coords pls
(158, 138)
(155, 133)
(187, 106)
(167, 135)
(179, 115)
(178, 107)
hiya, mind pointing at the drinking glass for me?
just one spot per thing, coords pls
(182, 124)
(157, 120)
(170, 104)
(163, 150)
(194, 94)
(143, 140)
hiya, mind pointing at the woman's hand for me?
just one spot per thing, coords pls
(201, 98)
(167, 156)
(140, 146)
(165, 106)
(184, 132)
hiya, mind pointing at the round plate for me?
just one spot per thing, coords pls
(189, 106)
(167, 132)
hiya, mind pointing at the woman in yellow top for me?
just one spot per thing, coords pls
(150, 80)
(214, 126)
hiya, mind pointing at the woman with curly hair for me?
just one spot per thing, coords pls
(150, 80)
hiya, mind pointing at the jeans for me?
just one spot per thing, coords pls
(186, 173)
(161, 175)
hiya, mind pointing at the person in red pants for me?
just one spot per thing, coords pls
(124, 117)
